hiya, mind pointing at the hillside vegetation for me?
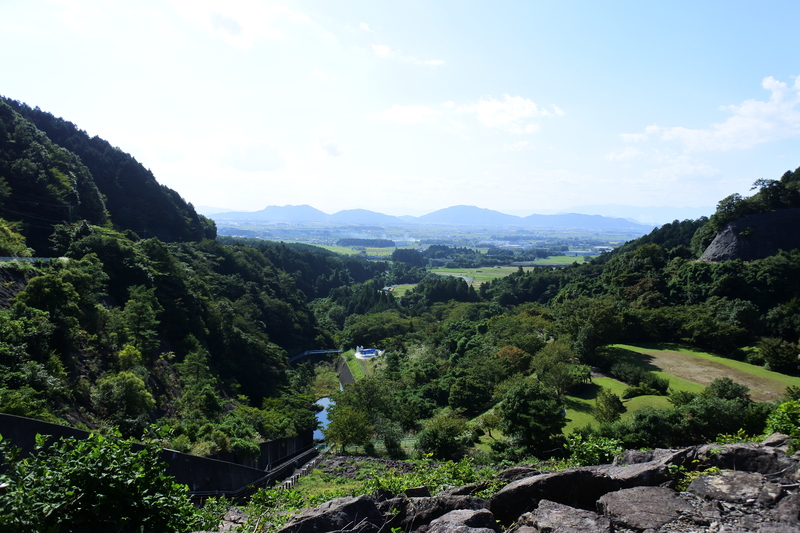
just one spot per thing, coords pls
(130, 328)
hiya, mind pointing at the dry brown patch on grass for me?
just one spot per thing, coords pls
(704, 371)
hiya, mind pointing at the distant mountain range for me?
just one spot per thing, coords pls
(645, 215)
(459, 215)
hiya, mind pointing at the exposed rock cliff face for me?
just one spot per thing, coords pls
(756, 236)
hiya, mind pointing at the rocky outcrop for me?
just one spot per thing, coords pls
(755, 489)
(756, 236)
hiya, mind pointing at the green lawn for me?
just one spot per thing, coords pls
(686, 369)
(561, 260)
(478, 275)
(400, 290)
(692, 370)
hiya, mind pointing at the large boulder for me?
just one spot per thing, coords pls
(340, 514)
(579, 487)
(749, 457)
(464, 521)
(642, 507)
(551, 517)
(420, 511)
(736, 487)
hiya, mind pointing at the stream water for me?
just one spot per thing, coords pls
(322, 416)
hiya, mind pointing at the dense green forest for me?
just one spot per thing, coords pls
(58, 174)
(145, 318)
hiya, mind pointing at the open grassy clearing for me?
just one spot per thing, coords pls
(684, 367)
(399, 290)
(560, 260)
(478, 275)
(580, 405)
(344, 250)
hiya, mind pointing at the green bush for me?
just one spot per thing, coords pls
(592, 450)
(95, 484)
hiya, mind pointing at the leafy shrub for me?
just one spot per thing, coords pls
(443, 436)
(786, 419)
(95, 484)
(123, 400)
(632, 392)
(608, 407)
(592, 450)
(436, 477)
(638, 377)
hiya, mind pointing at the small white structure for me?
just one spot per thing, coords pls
(367, 353)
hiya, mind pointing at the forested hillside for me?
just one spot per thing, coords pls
(131, 327)
(54, 173)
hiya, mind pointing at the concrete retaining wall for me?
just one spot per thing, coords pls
(201, 474)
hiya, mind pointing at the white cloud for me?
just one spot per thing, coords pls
(518, 146)
(753, 122)
(511, 113)
(385, 51)
(364, 26)
(408, 114)
(381, 50)
(253, 158)
(628, 153)
(682, 166)
(242, 23)
(327, 146)
(459, 128)
(324, 75)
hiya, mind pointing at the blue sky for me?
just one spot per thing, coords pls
(408, 107)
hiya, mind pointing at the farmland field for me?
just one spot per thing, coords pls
(476, 276)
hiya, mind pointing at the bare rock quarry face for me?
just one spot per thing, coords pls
(756, 236)
(643, 508)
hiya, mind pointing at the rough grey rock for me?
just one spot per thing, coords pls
(749, 457)
(580, 487)
(464, 521)
(633, 497)
(340, 514)
(553, 517)
(516, 473)
(734, 487)
(755, 236)
(642, 507)
(420, 511)
(465, 490)
(788, 510)
(776, 440)
(418, 492)
(577, 488)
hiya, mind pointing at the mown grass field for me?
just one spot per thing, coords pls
(686, 369)
(476, 276)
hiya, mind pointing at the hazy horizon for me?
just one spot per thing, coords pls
(646, 214)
